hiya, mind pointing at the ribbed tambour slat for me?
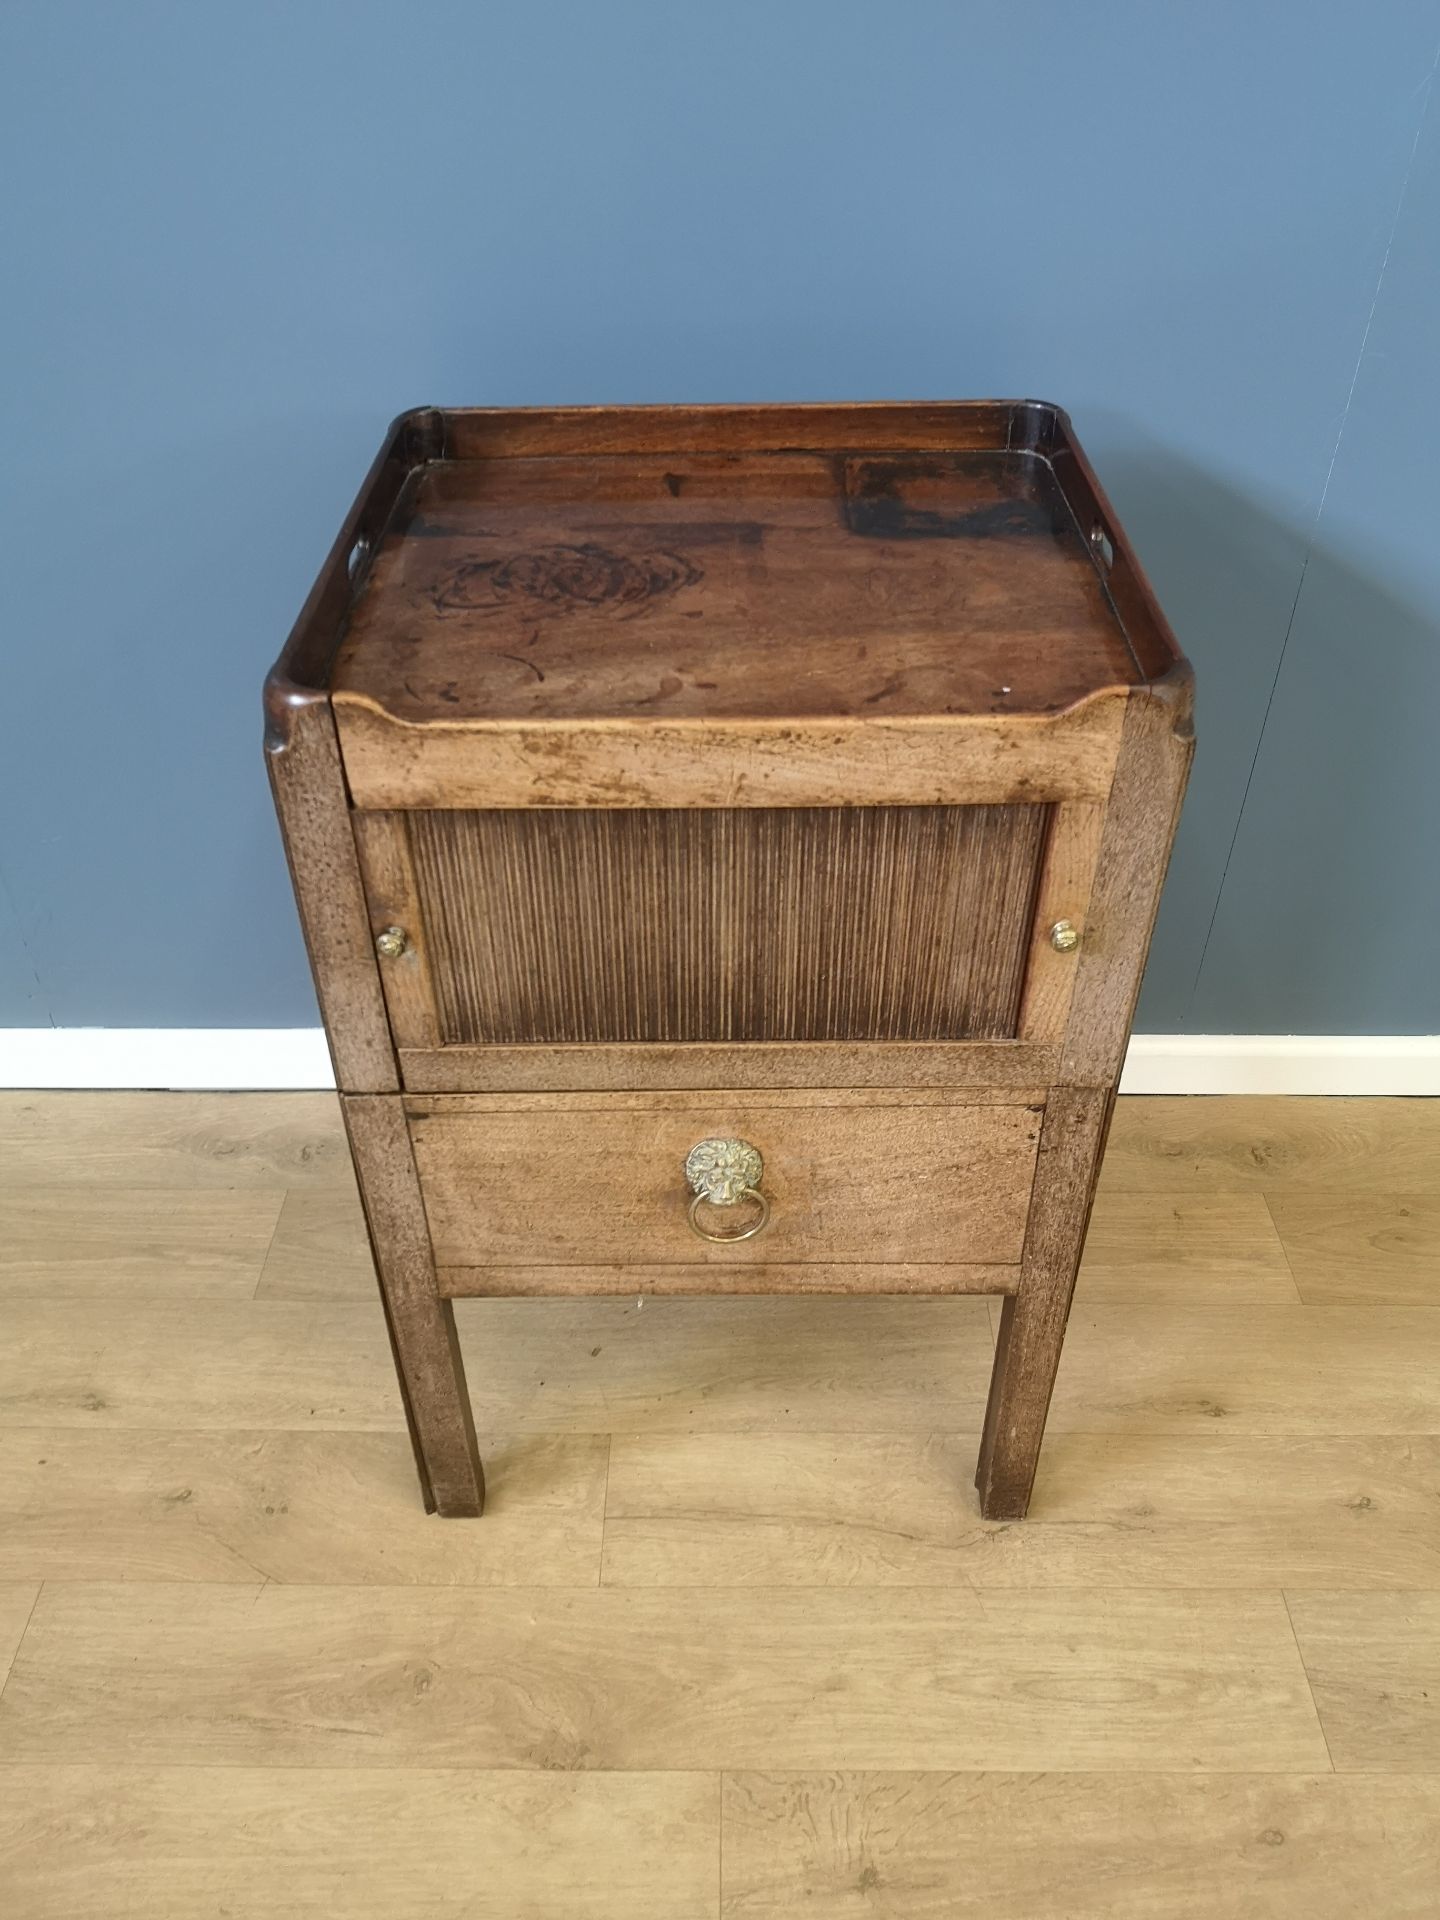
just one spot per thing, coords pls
(862, 923)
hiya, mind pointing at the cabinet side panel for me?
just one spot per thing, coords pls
(309, 789)
(1156, 748)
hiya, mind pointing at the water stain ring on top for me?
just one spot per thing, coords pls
(566, 577)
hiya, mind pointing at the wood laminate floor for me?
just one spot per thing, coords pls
(732, 1639)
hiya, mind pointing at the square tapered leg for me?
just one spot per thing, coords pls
(1032, 1321)
(421, 1324)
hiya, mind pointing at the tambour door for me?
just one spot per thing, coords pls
(767, 937)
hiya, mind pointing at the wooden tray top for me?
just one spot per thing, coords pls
(878, 562)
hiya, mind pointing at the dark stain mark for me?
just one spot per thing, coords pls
(423, 528)
(1272, 1837)
(715, 533)
(869, 1878)
(674, 481)
(409, 687)
(880, 505)
(180, 1499)
(670, 684)
(564, 578)
(93, 1402)
(449, 693)
(892, 685)
(686, 533)
(521, 661)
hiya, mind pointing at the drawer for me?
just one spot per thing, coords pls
(867, 1177)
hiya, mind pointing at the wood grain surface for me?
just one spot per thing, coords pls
(319, 1249)
(699, 1278)
(887, 1364)
(987, 1067)
(1352, 1248)
(1183, 1248)
(137, 1242)
(896, 1183)
(724, 925)
(847, 1509)
(1141, 813)
(420, 1325)
(258, 1843)
(1374, 1663)
(304, 1508)
(974, 760)
(257, 1141)
(1253, 1369)
(598, 1678)
(1271, 1145)
(594, 587)
(216, 1493)
(917, 1846)
(553, 600)
(17, 1603)
(1032, 1321)
(302, 757)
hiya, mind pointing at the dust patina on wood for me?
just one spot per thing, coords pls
(657, 768)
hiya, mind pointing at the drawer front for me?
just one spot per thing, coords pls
(869, 1181)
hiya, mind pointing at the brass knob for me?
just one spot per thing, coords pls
(1064, 936)
(391, 943)
(725, 1173)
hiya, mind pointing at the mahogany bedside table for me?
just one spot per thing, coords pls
(727, 841)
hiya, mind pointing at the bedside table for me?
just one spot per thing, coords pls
(727, 841)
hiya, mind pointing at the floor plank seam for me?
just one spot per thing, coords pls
(1284, 1249)
(71, 1581)
(19, 1644)
(539, 1769)
(605, 1509)
(270, 1245)
(1309, 1682)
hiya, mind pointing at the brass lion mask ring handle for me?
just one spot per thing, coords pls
(721, 1174)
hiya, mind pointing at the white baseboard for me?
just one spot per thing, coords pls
(235, 1059)
(241, 1059)
(1329, 1063)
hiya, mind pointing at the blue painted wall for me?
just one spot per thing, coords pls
(237, 239)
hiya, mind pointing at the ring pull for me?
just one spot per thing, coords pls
(743, 1233)
(725, 1173)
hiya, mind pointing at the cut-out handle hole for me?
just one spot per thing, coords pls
(1100, 545)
